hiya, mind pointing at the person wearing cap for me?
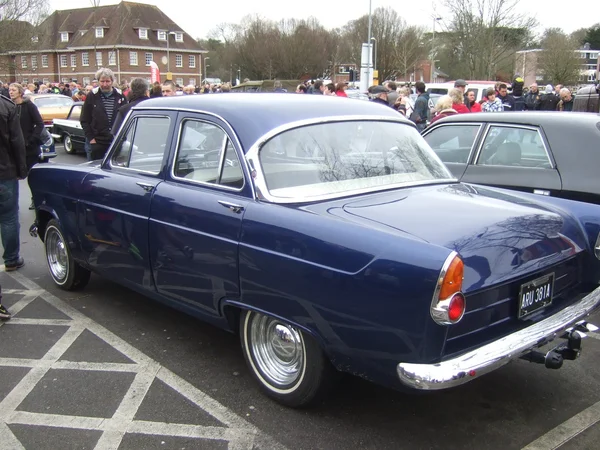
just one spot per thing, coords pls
(379, 94)
(462, 85)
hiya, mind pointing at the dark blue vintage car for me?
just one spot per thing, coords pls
(330, 236)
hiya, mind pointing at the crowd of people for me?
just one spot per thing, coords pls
(461, 100)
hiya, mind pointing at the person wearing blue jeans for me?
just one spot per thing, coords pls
(12, 168)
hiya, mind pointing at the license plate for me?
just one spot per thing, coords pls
(535, 295)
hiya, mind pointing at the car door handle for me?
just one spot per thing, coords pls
(145, 186)
(232, 206)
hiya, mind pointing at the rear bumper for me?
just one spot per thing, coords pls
(491, 356)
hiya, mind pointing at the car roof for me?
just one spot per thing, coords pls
(252, 115)
(537, 118)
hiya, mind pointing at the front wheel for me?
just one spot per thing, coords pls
(65, 272)
(288, 364)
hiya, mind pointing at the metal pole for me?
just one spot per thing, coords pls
(375, 54)
(432, 51)
(370, 48)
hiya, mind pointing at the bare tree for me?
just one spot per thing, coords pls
(558, 60)
(484, 35)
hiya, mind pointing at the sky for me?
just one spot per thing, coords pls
(198, 19)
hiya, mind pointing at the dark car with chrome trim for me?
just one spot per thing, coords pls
(329, 236)
(69, 130)
(547, 153)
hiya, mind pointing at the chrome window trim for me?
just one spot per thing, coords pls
(223, 148)
(511, 125)
(476, 140)
(111, 148)
(261, 191)
(245, 169)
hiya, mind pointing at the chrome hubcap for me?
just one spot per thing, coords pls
(278, 350)
(56, 252)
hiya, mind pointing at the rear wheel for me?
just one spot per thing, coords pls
(288, 364)
(68, 143)
(65, 272)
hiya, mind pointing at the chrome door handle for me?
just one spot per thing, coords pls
(232, 206)
(145, 186)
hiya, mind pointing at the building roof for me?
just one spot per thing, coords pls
(120, 22)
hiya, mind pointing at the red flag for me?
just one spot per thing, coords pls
(154, 72)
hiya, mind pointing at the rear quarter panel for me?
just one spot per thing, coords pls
(363, 293)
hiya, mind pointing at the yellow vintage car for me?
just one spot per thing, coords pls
(52, 106)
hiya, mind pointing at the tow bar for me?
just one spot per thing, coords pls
(569, 350)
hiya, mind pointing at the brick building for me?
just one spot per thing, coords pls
(72, 44)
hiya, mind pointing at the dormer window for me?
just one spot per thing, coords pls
(99, 32)
(64, 36)
(143, 33)
(178, 36)
(34, 39)
(162, 35)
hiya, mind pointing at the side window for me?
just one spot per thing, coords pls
(143, 145)
(453, 143)
(508, 146)
(207, 155)
(75, 113)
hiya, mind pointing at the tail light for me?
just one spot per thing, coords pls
(48, 122)
(448, 304)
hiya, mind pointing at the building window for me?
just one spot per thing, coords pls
(34, 39)
(149, 58)
(178, 60)
(178, 36)
(192, 81)
(23, 62)
(63, 60)
(99, 32)
(179, 81)
(133, 59)
(192, 61)
(112, 58)
(65, 80)
(99, 59)
(34, 62)
(143, 33)
(86, 81)
(73, 60)
(25, 81)
(44, 60)
(64, 36)
(85, 59)
(45, 80)
(162, 35)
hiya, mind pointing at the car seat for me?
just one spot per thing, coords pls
(508, 154)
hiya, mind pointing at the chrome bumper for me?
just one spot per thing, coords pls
(487, 358)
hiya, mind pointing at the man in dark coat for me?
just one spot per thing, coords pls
(12, 168)
(139, 90)
(99, 113)
(548, 101)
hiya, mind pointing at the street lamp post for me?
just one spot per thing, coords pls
(169, 33)
(435, 19)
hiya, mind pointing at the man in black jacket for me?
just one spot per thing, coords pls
(99, 112)
(139, 91)
(12, 168)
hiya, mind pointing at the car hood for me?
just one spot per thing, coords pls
(498, 236)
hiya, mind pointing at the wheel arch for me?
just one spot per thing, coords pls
(45, 215)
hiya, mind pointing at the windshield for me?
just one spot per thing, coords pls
(51, 102)
(342, 157)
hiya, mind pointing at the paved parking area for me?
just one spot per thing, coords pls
(68, 382)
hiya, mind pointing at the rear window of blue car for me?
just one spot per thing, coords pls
(340, 157)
